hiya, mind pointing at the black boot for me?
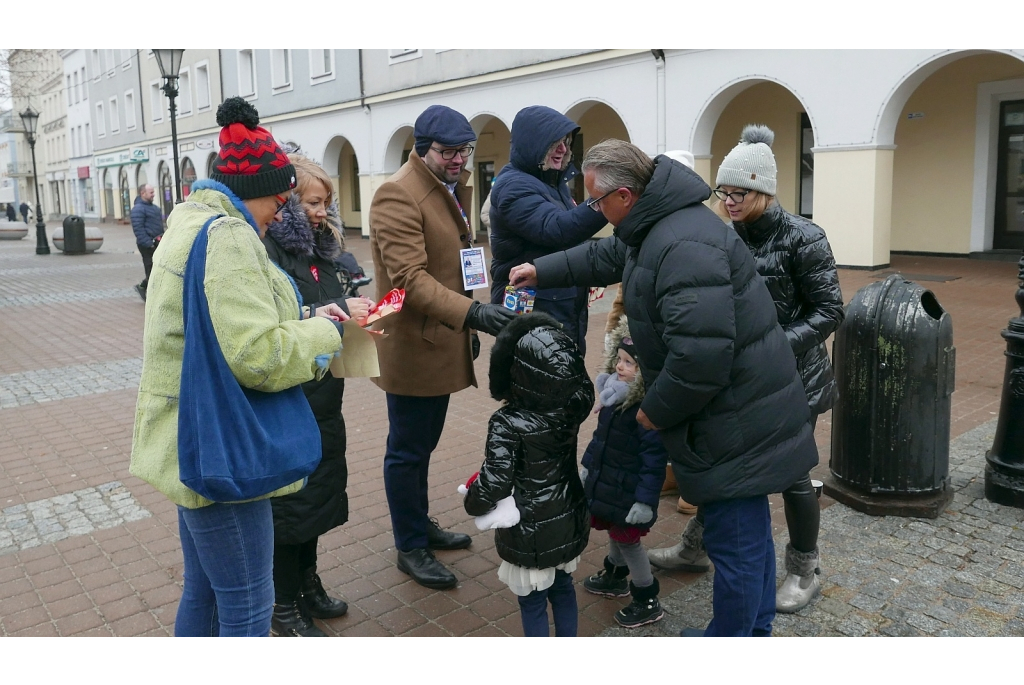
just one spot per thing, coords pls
(609, 582)
(425, 569)
(645, 607)
(289, 621)
(314, 599)
(443, 539)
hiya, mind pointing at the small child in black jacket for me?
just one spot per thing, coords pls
(530, 455)
(623, 471)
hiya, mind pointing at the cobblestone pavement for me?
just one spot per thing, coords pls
(957, 575)
(70, 346)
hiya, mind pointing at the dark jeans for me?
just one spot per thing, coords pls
(290, 562)
(147, 262)
(229, 557)
(534, 608)
(738, 539)
(415, 427)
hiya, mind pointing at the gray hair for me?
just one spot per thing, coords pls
(618, 164)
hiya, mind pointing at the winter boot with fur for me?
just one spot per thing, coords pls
(288, 620)
(802, 581)
(645, 607)
(689, 555)
(609, 582)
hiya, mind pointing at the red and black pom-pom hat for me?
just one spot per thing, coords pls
(250, 162)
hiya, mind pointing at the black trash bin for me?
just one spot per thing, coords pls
(895, 370)
(74, 235)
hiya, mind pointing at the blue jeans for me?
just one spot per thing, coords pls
(229, 561)
(534, 608)
(738, 538)
(415, 425)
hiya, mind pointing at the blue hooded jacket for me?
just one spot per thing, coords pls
(533, 214)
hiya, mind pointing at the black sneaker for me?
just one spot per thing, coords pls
(141, 291)
(607, 583)
(639, 613)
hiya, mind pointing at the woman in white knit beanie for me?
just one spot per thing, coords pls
(793, 256)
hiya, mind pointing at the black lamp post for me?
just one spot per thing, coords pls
(29, 119)
(1004, 467)
(169, 62)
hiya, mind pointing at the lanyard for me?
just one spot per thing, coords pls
(469, 228)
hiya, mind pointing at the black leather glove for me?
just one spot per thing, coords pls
(489, 318)
(475, 342)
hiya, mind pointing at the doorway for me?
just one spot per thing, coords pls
(1008, 232)
(484, 181)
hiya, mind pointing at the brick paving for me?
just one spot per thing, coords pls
(126, 579)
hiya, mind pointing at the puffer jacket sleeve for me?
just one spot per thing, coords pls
(817, 285)
(262, 351)
(653, 459)
(596, 263)
(695, 302)
(498, 469)
(538, 220)
(398, 226)
(138, 217)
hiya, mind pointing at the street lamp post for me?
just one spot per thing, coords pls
(29, 119)
(169, 62)
(1004, 467)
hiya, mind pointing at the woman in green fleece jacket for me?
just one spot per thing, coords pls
(269, 344)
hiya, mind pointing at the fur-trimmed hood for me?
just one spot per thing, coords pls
(535, 365)
(295, 234)
(636, 388)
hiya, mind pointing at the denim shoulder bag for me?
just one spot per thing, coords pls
(234, 443)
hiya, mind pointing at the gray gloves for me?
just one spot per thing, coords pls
(639, 513)
(489, 318)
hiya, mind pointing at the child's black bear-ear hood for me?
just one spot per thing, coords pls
(503, 351)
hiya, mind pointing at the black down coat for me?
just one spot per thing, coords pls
(531, 443)
(721, 379)
(795, 260)
(307, 256)
(533, 214)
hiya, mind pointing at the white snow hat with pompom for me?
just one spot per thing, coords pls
(751, 164)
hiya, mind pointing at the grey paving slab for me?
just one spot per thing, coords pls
(61, 298)
(46, 385)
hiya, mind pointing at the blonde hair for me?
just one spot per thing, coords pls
(759, 203)
(308, 172)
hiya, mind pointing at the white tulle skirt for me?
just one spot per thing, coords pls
(523, 581)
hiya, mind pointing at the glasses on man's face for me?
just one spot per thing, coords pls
(737, 196)
(448, 154)
(281, 202)
(595, 201)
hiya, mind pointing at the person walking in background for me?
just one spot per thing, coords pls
(25, 209)
(623, 470)
(538, 374)
(417, 228)
(533, 213)
(148, 226)
(305, 243)
(266, 341)
(722, 384)
(11, 214)
(793, 256)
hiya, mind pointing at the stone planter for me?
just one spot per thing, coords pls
(93, 238)
(13, 230)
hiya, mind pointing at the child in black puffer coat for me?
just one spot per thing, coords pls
(623, 471)
(530, 455)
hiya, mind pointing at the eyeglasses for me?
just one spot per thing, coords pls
(736, 196)
(449, 154)
(281, 202)
(593, 202)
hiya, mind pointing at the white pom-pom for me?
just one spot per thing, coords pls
(757, 133)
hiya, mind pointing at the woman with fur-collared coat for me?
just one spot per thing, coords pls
(304, 244)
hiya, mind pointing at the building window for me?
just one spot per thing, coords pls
(129, 110)
(156, 101)
(88, 140)
(97, 63)
(281, 70)
(321, 66)
(100, 126)
(246, 73)
(115, 124)
(184, 92)
(403, 55)
(75, 87)
(71, 94)
(356, 204)
(109, 58)
(126, 59)
(85, 86)
(74, 143)
(202, 86)
(806, 167)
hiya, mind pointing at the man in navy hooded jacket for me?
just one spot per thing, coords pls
(533, 213)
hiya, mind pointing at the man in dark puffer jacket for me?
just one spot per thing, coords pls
(533, 213)
(723, 388)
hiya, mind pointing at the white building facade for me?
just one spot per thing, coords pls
(81, 188)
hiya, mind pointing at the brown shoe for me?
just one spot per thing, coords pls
(684, 507)
(670, 486)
